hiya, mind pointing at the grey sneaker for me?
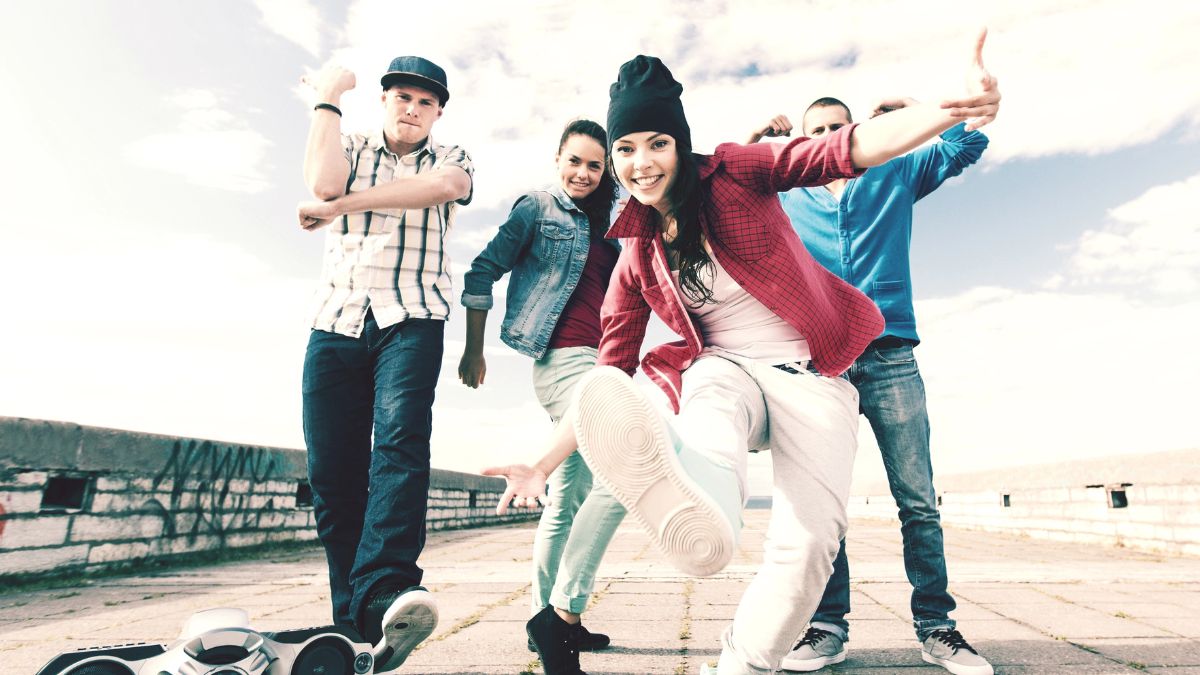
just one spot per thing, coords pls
(817, 649)
(948, 649)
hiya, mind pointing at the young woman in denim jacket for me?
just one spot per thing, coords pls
(553, 243)
(766, 335)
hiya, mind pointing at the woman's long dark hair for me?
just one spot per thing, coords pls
(684, 198)
(598, 205)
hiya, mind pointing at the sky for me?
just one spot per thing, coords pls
(156, 278)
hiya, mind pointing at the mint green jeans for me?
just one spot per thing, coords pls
(580, 520)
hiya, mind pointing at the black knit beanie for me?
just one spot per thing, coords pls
(645, 97)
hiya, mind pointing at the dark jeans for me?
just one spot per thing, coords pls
(892, 396)
(370, 499)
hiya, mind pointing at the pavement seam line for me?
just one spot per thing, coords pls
(1060, 638)
(858, 587)
(1120, 615)
(685, 626)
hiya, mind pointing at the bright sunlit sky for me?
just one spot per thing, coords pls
(156, 279)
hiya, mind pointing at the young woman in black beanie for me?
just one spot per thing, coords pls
(766, 334)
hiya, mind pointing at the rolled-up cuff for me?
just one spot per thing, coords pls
(483, 302)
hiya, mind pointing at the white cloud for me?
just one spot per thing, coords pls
(1152, 241)
(510, 94)
(298, 21)
(211, 147)
(172, 334)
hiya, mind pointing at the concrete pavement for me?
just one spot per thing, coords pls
(1030, 606)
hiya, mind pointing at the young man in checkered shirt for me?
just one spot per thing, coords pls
(387, 201)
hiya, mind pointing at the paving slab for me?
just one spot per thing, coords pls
(1031, 607)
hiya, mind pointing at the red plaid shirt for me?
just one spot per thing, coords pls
(754, 241)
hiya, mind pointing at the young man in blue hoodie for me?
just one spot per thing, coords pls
(860, 229)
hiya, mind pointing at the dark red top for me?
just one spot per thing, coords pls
(579, 323)
(753, 239)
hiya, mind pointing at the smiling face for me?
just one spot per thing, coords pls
(409, 113)
(580, 163)
(645, 162)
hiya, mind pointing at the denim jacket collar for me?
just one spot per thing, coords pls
(564, 200)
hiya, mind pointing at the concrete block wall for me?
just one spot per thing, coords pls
(1158, 518)
(76, 498)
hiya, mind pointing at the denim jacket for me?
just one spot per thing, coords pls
(544, 243)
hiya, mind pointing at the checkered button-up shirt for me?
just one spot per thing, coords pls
(752, 238)
(392, 260)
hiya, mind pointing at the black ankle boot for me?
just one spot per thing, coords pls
(556, 641)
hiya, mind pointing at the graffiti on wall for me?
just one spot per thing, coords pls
(206, 497)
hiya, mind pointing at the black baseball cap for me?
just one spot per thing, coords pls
(417, 71)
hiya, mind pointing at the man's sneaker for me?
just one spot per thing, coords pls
(556, 642)
(948, 649)
(395, 622)
(817, 649)
(588, 641)
(628, 447)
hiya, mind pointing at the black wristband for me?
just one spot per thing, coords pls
(328, 106)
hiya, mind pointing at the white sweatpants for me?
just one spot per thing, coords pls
(810, 423)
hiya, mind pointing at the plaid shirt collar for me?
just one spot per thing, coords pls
(637, 221)
(378, 143)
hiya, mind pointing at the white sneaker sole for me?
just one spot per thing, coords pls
(957, 668)
(809, 665)
(409, 620)
(628, 448)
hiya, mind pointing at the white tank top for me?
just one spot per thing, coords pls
(742, 325)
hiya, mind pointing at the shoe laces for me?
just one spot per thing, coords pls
(953, 639)
(812, 637)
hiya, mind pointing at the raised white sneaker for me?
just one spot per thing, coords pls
(628, 447)
(948, 649)
(817, 649)
(410, 616)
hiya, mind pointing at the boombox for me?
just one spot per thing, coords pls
(221, 642)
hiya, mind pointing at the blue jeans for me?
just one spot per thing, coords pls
(892, 396)
(369, 498)
(578, 524)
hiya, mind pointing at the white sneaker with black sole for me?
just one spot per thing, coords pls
(628, 447)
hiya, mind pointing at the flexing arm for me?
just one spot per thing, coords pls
(325, 167)
(420, 191)
(884, 137)
(778, 125)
